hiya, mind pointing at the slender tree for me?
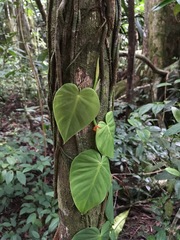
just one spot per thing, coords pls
(81, 34)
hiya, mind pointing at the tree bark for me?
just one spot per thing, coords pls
(79, 34)
(161, 35)
(131, 52)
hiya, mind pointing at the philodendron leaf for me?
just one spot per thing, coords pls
(119, 222)
(74, 109)
(105, 136)
(90, 179)
(91, 233)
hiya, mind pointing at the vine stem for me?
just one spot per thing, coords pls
(36, 76)
(95, 122)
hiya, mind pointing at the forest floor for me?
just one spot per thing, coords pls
(142, 220)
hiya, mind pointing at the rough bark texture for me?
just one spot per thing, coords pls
(162, 35)
(131, 52)
(79, 33)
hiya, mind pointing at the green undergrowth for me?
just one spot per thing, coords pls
(146, 166)
(28, 209)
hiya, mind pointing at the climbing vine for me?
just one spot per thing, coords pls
(90, 176)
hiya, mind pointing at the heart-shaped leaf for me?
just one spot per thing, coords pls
(105, 136)
(90, 179)
(91, 233)
(74, 109)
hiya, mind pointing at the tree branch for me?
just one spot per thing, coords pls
(147, 61)
(41, 9)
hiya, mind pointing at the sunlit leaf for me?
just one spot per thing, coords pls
(74, 109)
(173, 171)
(90, 179)
(176, 9)
(119, 222)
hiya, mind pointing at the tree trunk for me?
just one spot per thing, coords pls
(80, 33)
(23, 27)
(162, 35)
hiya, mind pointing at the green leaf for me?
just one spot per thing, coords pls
(157, 107)
(177, 189)
(176, 113)
(177, 81)
(109, 206)
(90, 179)
(163, 85)
(91, 233)
(74, 109)
(35, 234)
(112, 235)
(119, 222)
(168, 207)
(105, 230)
(145, 108)
(9, 177)
(161, 235)
(143, 134)
(173, 171)
(31, 218)
(176, 9)
(11, 160)
(105, 136)
(134, 122)
(53, 225)
(162, 4)
(151, 237)
(175, 129)
(21, 177)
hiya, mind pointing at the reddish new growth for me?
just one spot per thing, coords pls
(95, 128)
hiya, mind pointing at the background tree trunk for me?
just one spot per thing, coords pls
(161, 35)
(80, 33)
